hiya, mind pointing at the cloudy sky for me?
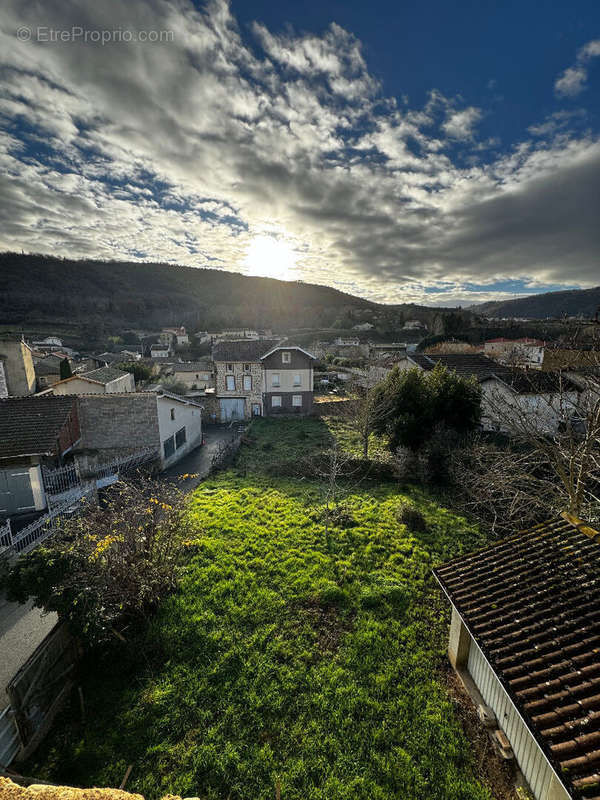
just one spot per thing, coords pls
(430, 152)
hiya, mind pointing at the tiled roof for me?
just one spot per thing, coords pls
(30, 425)
(532, 604)
(537, 382)
(108, 358)
(199, 366)
(104, 374)
(462, 363)
(243, 349)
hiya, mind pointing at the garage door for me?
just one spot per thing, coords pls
(232, 408)
(16, 494)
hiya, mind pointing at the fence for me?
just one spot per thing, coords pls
(39, 688)
(65, 491)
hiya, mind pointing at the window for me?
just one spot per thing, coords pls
(275, 379)
(297, 400)
(197, 376)
(246, 367)
(229, 367)
(248, 383)
(169, 446)
(286, 358)
(276, 401)
(172, 413)
(180, 439)
(206, 377)
(297, 380)
(230, 383)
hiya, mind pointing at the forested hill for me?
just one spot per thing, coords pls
(571, 303)
(39, 289)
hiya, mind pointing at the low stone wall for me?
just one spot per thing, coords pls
(42, 791)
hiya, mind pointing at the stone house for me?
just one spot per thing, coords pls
(197, 375)
(104, 380)
(34, 431)
(17, 373)
(523, 640)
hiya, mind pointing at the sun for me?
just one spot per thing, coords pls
(269, 257)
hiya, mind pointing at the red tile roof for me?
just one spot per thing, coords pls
(532, 604)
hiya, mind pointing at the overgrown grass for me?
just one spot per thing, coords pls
(290, 654)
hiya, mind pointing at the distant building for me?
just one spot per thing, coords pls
(47, 374)
(197, 375)
(160, 350)
(49, 343)
(17, 373)
(522, 352)
(414, 325)
(363, 326)
(177, 336)
(104, 380)
(347, 341)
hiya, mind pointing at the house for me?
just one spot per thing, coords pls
(104, 380)
(118, 424)
(524, 352)
(239, 377)
(363, 326)
(524, 638)
(105, 359)
(571, 357)
(133, 353)
(203, 337)
(288, 380)
(160, 350)
(49, 343)
(197, 375)
(47, 374)
(541, 400)
(34, 431)
(256, 378)
(466, 364)
(177, 336)
(17, 374)
(414, 325)
(347, 341)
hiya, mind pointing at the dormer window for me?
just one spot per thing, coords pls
(286, 357)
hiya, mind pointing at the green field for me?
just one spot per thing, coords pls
(292, 654)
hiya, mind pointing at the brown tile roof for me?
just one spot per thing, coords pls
(31, 425)
(532, 604)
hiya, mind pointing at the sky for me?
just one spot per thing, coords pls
(438, 153)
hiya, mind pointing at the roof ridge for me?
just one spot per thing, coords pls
(581, 525)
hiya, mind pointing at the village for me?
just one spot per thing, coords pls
(74, 426)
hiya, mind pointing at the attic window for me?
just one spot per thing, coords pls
(286, 357)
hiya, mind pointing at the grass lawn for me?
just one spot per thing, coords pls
(290, 654)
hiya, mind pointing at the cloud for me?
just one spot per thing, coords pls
(186, 151)
(460, 124)
(573, 80)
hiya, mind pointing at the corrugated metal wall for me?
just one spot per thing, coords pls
(530, 758)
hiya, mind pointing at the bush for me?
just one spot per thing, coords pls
(410, 516)
(109, 567)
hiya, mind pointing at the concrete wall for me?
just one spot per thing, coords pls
(287, 405)
(200, 379)
(19, 372)
(125, 423)
(172, 416)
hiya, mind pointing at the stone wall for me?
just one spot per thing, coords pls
(126, 422)
(251, 396)
(18, 367)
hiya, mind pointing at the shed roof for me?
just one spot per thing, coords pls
(532, 604)
(31, 425)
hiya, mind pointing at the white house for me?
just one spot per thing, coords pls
(524, 352)
(524, 641)
(160, 350)
(179, 425)
(176, 336)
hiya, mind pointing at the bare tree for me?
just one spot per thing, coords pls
(551, 459)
